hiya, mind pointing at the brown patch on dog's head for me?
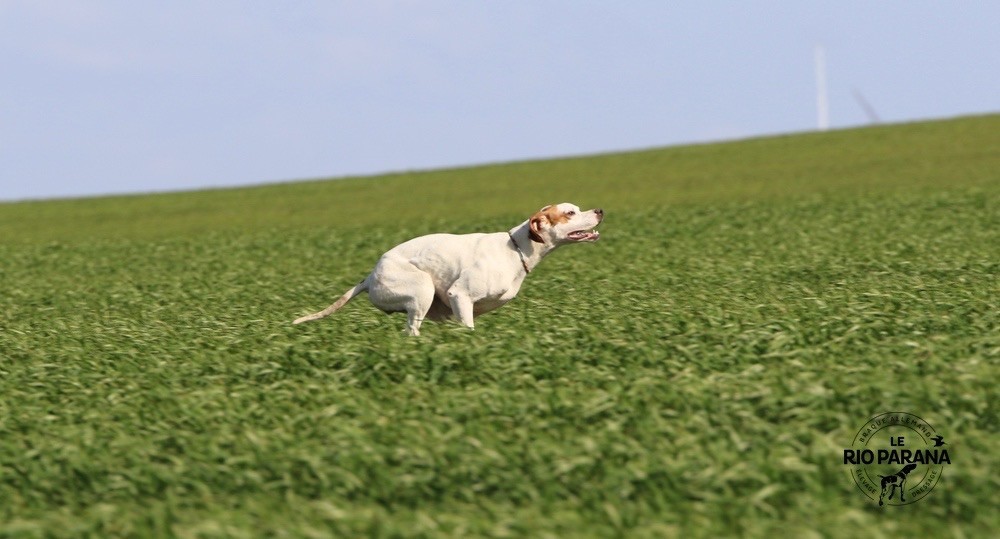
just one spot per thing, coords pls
(549, 215)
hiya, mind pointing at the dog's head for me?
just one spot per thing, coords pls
(565, 223)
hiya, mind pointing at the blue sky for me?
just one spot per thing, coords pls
(124, 96)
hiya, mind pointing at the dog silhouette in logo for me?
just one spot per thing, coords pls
(897, 480)
(938, 440)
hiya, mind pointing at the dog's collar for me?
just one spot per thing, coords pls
(520, 254)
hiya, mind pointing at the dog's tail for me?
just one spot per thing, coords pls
(361, 287)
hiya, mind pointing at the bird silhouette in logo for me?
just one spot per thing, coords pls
(938, 440)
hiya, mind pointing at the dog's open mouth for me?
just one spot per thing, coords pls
(584, 235)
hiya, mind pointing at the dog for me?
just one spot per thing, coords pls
(897, 480)
(440, 276)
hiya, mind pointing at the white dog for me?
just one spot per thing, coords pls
(443, 275)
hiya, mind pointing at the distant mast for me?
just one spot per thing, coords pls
(822, 108)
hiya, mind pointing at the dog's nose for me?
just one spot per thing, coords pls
(600, 213)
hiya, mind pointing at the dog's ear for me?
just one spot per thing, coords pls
(536, 222)
(535, 227)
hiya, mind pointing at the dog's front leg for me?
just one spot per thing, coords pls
(461, 305)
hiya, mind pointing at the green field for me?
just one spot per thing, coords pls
(696, 373)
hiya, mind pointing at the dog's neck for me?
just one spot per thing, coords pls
(531, 251)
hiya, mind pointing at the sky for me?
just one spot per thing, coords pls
(106, 97)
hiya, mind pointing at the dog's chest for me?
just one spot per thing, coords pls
(486, 305)
(497, 296)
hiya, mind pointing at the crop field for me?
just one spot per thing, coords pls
(695, 373)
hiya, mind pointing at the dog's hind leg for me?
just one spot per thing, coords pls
(416, 309)
(397, 285)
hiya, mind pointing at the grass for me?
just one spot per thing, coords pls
(697, 372)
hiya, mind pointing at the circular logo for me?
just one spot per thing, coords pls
(897, 458)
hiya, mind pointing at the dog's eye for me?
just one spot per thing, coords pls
(570, 213)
